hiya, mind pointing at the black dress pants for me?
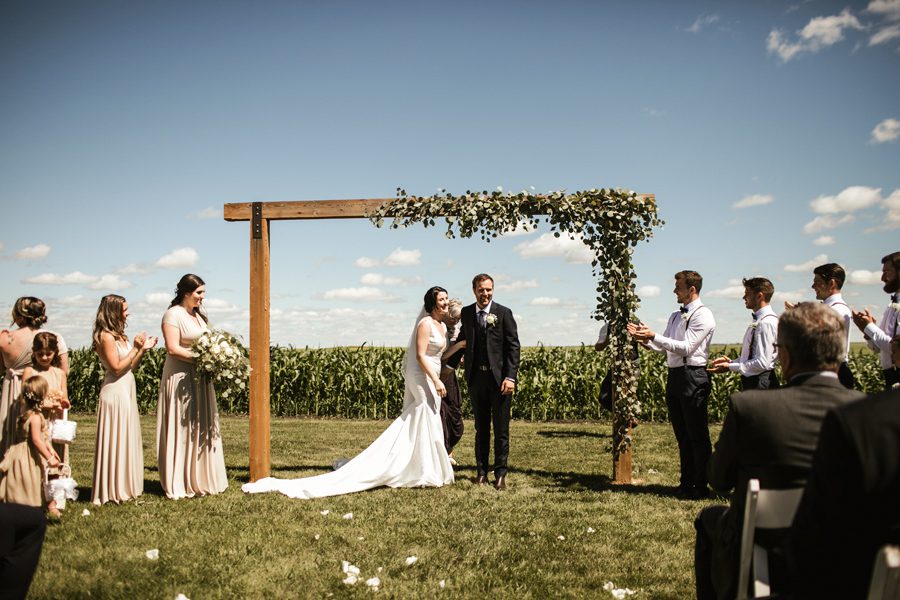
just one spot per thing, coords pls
(687, 393)
(490, 408)
(22, 531)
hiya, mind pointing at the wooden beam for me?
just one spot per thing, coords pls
(260, 463)
(315, 209)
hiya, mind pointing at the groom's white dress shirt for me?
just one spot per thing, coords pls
(687, 336)
(836, 303)
(759, 342)
(880, 336)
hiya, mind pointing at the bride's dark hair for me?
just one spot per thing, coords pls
(431, 297)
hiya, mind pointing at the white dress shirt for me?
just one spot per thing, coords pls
(836, 303)
(880, 336)
(687, 336)
(760, 336)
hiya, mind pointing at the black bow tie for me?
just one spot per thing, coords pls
(683, 309)
(754, 316)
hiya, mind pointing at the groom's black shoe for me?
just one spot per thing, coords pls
(500, 484)
(481, 480)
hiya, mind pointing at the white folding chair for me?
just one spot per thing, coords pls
(886, 574)
(765, 509)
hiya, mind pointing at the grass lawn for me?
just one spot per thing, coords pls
(476, 540)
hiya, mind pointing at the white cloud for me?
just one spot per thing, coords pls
(360, 294)
(574, 251)
(523, 228)
(178, 259)
(655, 112)
(34, 252)
(76, 300)
(210, 212)
(370, 279)
(851, 199)
(885, 34)
(891, 218)
(792, 296)
(754, 200)
(827, 222)
(808, 266)
(863, 277)
(221, 307)
(515, 286)
(819, 33)
(73, 278)
(364, 262)
(824, 240)
(701, 22)
(403, 258)
(732, 291)
(110, 283)
(649, 291)
(158, 298)
(545, 301)
(886, 131)
(889, 9)
(134, 269)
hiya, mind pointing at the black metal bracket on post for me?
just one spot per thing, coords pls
(256, 220)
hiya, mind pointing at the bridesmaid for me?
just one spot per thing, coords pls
(189, 443)
(119, 450)
(28, 314)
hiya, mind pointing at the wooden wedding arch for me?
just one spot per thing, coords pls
(259, 214)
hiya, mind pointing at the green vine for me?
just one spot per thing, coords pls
(609, 221)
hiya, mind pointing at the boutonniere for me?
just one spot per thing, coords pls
(684, 317)
(895, 306)
(491, 320)
(754, 324)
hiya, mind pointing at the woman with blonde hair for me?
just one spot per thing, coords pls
(119, 451)
(188, 439)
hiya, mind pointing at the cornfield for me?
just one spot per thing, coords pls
(555, 383)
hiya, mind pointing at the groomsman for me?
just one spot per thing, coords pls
(878, 337)
(686, 341)
(756, 364)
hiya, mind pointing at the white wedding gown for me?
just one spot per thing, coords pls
(410, 452)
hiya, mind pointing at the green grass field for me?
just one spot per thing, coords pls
(476, 540)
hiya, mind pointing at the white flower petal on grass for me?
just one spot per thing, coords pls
(152, 554)
(351, 579)
(379, 569)
(181, 597)
(360, 538)
(373, 582)
(411, 560)
(561, 538)
(349, 569)
(85, 513)
(317, 536)
(590, 530)
(609, 586)
(652, 471)
(324, 512)
(348, 516)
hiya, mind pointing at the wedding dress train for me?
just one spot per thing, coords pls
(410, 452)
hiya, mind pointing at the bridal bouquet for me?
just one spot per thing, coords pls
(221, 357)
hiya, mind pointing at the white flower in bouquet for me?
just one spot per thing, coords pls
(221, 357)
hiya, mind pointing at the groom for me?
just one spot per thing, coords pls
(491, 365)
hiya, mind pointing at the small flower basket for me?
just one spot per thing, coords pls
(63, 430)
(221, 357)
(62, 488)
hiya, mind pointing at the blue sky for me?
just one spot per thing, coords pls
(769, 132)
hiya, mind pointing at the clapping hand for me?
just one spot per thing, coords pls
(862, 319)
(640, 332)
(789, 305)
(719, 365)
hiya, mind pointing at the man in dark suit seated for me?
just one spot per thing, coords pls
(22, 531)
(770, 435)
(851, 504)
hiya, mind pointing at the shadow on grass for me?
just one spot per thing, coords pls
(571, 480)
(243, 473)
(572, 434)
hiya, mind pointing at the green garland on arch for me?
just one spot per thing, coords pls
(609, 221)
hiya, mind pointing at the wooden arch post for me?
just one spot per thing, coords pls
(260, 214)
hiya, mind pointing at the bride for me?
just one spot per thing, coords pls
(410, 452)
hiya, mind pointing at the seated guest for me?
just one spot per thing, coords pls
(22, 530)
(851, 504)
(770, 435)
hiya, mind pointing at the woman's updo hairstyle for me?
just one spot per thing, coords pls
(30, 312)
(186, 285)
(431, 297)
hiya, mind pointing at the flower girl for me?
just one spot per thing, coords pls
(22, 469)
